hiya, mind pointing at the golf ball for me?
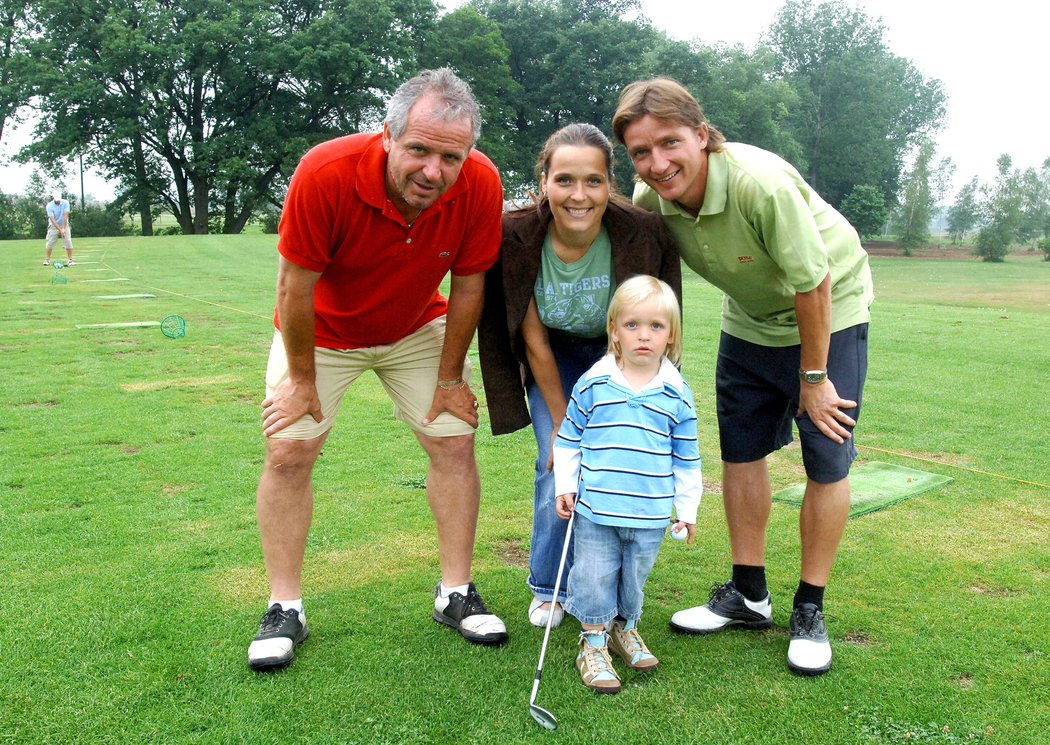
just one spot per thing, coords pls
(681, 534)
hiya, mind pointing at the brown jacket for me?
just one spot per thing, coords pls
(640, 245)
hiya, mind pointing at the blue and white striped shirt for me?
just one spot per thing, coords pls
(631, 455)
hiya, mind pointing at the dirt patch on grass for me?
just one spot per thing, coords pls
(384, 558)
(512, 553)
(860, 638)
(991, 591)
(159, 385)
(892, 249)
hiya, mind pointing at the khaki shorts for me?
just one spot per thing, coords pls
(407, 368)
(52, 238)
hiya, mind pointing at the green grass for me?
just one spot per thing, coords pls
(134, 575)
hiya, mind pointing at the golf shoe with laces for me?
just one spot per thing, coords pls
(595, 664)
(727, 607)
(280, 632)
(469, 615)
(625, 640)
(809, 651)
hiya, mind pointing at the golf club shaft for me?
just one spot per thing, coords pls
(554, 599)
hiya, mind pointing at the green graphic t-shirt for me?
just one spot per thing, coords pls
(575, 297)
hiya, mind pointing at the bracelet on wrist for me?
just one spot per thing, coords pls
(451, 385)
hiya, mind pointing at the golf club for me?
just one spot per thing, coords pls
(541, 715)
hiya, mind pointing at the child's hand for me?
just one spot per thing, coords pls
(565, 504)
(690, 529)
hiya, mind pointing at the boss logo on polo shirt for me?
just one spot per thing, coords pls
(745, 259)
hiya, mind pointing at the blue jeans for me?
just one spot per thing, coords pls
(574, 358)
(611, 567)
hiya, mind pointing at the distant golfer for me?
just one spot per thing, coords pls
(372, 224)
(794, 343)
(58, 227)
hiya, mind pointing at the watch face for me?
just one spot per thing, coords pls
(814, 376)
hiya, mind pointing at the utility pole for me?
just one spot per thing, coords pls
(83, 206)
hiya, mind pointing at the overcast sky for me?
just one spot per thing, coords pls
(990, 57)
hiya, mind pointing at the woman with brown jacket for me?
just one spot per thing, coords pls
(543, 323)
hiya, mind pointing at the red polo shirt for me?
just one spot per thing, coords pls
(380, 277)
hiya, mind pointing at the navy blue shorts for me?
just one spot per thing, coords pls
(757, 391)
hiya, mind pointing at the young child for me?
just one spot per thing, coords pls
(628, 447)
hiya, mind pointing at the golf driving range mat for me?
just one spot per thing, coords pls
(875, 485)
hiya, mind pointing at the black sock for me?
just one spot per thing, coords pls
(807, 593)
(750, 581)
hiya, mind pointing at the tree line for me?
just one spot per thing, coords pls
(202, 108)
(1013, 209)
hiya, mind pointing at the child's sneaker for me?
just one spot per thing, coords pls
(594, 663)
(71, 263)
(625, 640)
(47, 262)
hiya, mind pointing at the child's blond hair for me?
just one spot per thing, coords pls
(639, 289)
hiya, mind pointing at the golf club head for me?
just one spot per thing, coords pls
(543, 717)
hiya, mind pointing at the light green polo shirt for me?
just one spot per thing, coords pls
(762, 235)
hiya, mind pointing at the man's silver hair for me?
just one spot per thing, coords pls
(443, 84)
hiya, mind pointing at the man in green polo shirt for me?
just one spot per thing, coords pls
(793, 345)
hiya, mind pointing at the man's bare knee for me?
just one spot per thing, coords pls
(288, 458)
(449, 449)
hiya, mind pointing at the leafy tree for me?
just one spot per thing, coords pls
(748, 104)
(738, 91)
(865, 208)
(23, 215)
(964, 215)
(917, 203)
(92, 220)
(17, 27)
(8, 223)
(474, 47)
(862, 107)
(569, 60)
(1002, 213)
(1035, 204)
(205, 107)
(941, 180)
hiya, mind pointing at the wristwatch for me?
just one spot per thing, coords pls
(813, 376)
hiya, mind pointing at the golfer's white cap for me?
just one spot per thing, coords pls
(57, 196)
